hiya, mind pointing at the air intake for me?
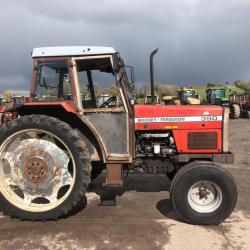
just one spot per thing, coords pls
(202, 140)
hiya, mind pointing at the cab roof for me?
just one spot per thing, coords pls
(71, 51)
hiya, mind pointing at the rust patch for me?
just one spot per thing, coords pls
(35, 169)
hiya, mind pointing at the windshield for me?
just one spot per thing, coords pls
(189, 94)
(216, 93)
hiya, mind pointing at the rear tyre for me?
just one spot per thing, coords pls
(235, 111)
(203, 193)
(45, 168)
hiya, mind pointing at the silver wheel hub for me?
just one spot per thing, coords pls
(204, 197)
(34, 170)
(38, 167)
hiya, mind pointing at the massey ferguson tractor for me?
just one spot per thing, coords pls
(59, 140)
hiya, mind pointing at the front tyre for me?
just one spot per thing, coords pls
(203, 193)
(45, 168)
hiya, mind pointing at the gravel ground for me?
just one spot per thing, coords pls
(143, 218)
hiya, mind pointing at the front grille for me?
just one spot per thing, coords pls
(202, 140)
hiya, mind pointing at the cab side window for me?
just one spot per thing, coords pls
(98, 84)
(53, 82)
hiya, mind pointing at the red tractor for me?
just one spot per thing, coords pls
(60, 140)
(239, 105)
(10, 102)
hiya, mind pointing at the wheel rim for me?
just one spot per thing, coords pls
(37, 170)
(204, 196)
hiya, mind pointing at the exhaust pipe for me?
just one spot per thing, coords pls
(152, 75)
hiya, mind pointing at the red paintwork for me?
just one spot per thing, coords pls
(181, 129)
(2, 109)
(68, 106)
(175, 110)
(180, 137)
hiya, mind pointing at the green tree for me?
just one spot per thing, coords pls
(7, 94)
(245, 85)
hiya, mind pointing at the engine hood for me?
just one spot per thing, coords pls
(159, 117)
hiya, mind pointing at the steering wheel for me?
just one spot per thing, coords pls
(108, 102)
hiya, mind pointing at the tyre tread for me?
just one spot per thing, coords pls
(83, 160)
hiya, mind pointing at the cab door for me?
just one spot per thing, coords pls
(102, 105)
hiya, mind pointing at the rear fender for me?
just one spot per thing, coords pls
(67, 113)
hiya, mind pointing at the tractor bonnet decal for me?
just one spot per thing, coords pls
(212, 118)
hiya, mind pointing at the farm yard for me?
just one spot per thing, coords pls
(125, 125)
(143, 218)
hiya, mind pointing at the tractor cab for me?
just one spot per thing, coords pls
(188, 96)
(77, 77)
(217, 96)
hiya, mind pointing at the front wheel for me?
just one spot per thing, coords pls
(203, 193)
(45, 168)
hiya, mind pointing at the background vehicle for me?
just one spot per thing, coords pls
(217, 96)
(239, 105)
(2, 101)
(148, 99)
(10, 102)
(51, 151)
(188, 96)
(169, 100)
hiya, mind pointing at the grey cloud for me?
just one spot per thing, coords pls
(199, 40)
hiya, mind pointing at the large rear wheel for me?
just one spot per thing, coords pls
(45, 168)
(203, 193)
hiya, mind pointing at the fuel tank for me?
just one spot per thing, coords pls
(162, 117)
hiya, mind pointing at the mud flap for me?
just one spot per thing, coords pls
(114, 175)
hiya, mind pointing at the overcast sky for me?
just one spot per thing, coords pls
(199, 40)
